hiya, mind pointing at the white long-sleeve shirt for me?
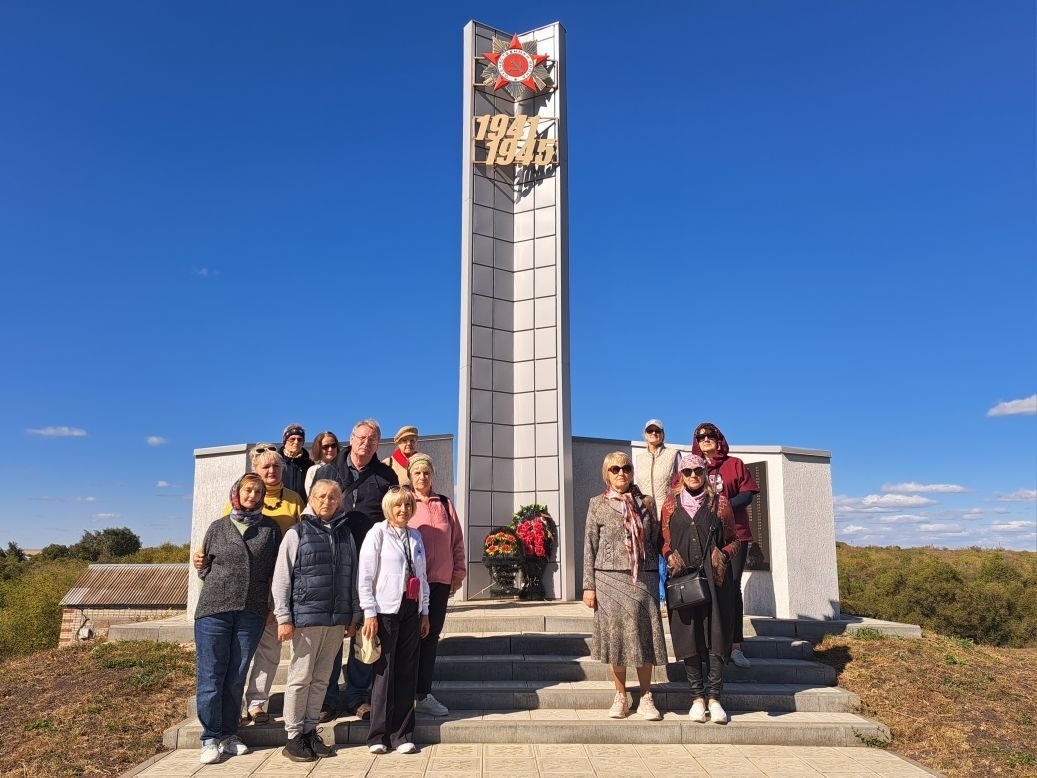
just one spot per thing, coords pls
(383, 570)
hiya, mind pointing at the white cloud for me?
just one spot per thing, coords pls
(1014, 526)
(156, 440)
(1027, 406)
(853, 529)
(942, 528)
(903, 517)
(107, 515)
(912, 487)
(206, 272)
(68, 499)
(1019, 495)
(58, 432)
(163, 484)
(879, 503)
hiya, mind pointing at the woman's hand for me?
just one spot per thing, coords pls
(370, 628)
(200, 560)
(719, 559)
(351, 630)
(425, 627)
(675, 563)
(455, 584)
(285, 632)
(590, 598)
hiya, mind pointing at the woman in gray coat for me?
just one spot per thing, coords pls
(621, 584)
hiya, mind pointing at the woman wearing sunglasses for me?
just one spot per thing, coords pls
(728, 476)
(325, 449)
(621, 584)
(698, 534)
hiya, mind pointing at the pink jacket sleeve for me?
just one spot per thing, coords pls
(457, 541)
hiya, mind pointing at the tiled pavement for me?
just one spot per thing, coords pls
(476, 760)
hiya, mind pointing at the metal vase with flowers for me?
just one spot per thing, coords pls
(538, 534)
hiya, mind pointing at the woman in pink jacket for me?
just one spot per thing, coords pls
(436, 520)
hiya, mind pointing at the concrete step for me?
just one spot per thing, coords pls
(556, 668)
(597, 695)
(579, 644)
(582, 726)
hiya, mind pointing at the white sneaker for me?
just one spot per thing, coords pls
(740, 659)
(716, 713)
(620, 706)
(430, 706)
(698, 712)
(406, 748)
(377, 748)
(646, 707)
(234, 746)
(210, 753)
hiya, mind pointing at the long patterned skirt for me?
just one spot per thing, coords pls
(628, 630)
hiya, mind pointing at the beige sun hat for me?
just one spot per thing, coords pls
(367, 651)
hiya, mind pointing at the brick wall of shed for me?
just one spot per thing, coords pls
(102, 618)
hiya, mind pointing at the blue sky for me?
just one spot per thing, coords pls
(811, 223)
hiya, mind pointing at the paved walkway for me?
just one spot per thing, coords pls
(476, 760)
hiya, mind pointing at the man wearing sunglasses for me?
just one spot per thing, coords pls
(364, 481)
(729, 477)
(654, 469)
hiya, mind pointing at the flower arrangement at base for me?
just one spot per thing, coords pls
(502, 556)
(538, 533)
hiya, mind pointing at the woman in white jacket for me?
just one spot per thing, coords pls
(394, 593)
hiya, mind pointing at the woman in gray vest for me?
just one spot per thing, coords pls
(315, 603)
(238, 557)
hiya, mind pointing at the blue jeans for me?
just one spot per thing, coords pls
(224, 645)
(359, 678)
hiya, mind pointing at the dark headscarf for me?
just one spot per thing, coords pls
(722, 447)
(243, 515)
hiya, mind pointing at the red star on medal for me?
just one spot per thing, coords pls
(515, 65)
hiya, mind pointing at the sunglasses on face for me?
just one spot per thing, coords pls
(688, 472)
(654, 431)
(617, 469)
(399, 487)
(706, 436)
(263, 449)
(330, 446)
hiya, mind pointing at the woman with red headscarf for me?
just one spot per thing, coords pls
(729, 477)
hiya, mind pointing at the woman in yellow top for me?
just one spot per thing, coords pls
(283, 507)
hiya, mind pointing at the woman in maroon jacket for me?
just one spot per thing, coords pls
(729, 477)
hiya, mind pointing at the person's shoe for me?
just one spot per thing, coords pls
(298, 749)
(234, 746)
(431, 706)
(646, 707)
(406, 748)
(363, 711)
(717, 714)
(698, 712)
(327, 714)
(620, 706)
(210, 753)
(740, 659)
(377, 748)
(318, 746)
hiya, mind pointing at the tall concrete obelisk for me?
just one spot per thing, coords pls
(514, 437)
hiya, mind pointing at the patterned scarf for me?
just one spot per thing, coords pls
(241, 514)
(633, 526)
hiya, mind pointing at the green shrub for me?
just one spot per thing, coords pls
(30, 619)
(167, 552)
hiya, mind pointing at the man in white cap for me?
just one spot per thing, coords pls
(654, 468)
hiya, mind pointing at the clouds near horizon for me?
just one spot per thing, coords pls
(1026, 406)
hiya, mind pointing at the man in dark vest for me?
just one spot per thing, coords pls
(315, 604)
(364, 481)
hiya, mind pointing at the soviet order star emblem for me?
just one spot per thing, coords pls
(517, 67)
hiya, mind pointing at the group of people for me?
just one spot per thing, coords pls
(673, 515)
(373, 553)
(313, 547)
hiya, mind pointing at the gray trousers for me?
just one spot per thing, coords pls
(313, 652)
(264, 667)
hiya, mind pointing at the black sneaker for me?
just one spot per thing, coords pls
(317, 745)
(298, 750)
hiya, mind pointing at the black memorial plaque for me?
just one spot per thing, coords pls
(759, 557)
